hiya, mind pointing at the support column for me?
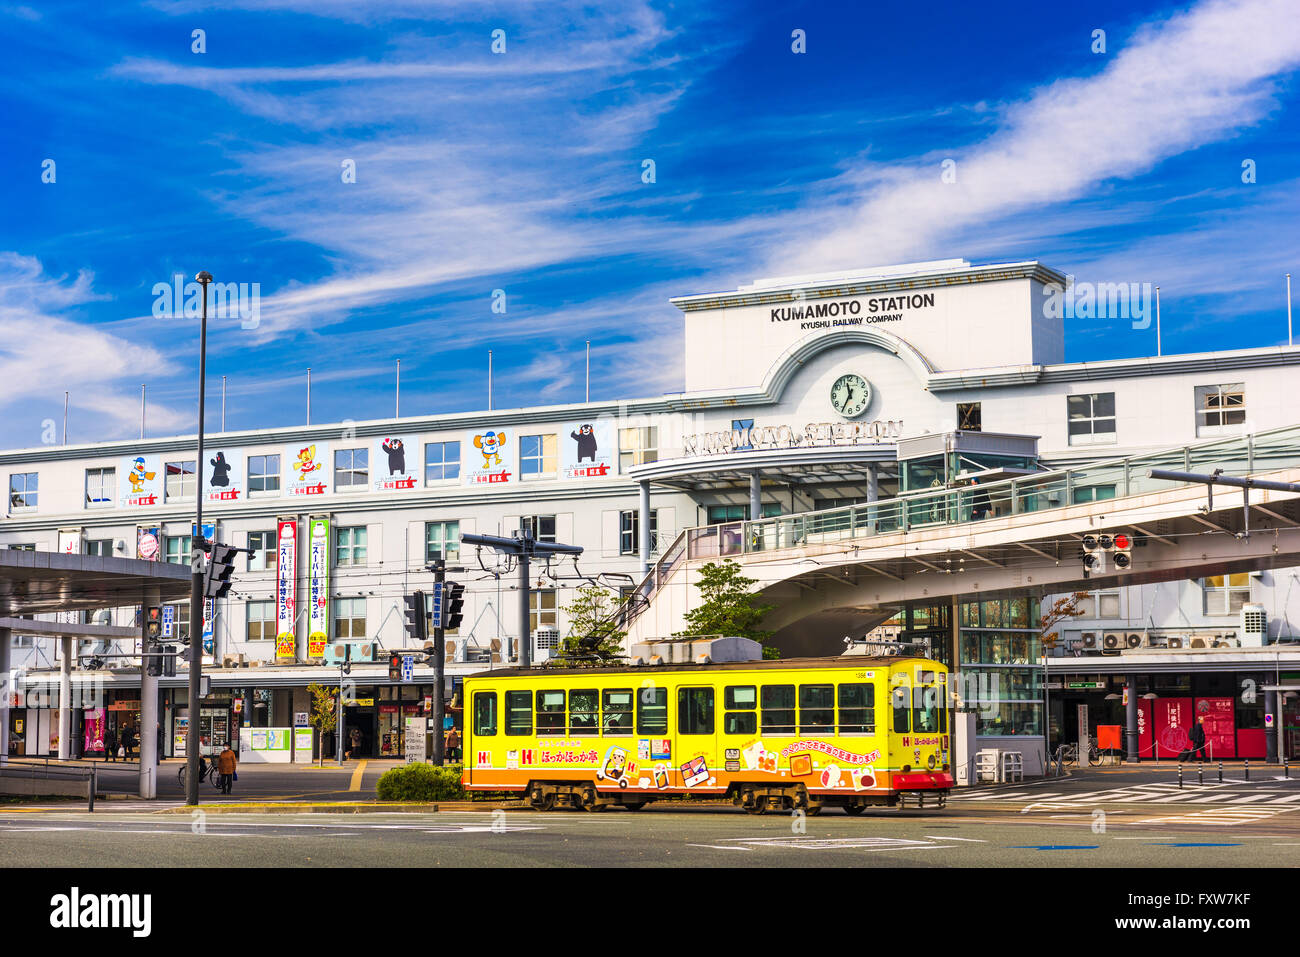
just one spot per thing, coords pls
(65, 698)
(873, 495)
(149, 700)
(755, 497)
(1271, 701)
(1131, 719)
(643, 528)
(8, 687)
(525, 627)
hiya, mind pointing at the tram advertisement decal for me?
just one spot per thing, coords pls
(318, 628)
(286, 591)
(839, 754)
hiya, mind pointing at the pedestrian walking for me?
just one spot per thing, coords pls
(227, 761)
(110, 744)
(157, 757)
(128, 742)
(451, 749)
(1197, 736)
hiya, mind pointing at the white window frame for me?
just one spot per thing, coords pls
(267, 618)
(443, 464)
(543, 462)
(1215, 402)
(535, 522)
(351, 470)
(1097, 433)
(106, 480)
(345, 611)
(266, 556)
(629, 524)
(637, 446)
(543, 610)
(450, 548)
(30, 491)
(1219, 598)
(188, 489)
(271, 476)
(348, 550)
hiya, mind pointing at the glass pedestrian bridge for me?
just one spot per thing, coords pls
(974, 502)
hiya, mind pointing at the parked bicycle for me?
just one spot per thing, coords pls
(207, 772)
(1067, 755)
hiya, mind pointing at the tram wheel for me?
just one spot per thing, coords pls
(547, 803)
(813, 810)
(853, 810)
(759, 806)
(634, 805)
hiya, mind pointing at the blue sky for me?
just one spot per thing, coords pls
(522, 171)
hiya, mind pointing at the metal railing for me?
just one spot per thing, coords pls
(1114, 478)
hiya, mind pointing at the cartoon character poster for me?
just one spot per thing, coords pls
(395, 463)
(587, 449)
(140, 481)
(306, 468)
(489, 458)
(286, 592)
(223, 476)
(148, 543)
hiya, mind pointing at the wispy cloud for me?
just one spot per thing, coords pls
(1176, 85)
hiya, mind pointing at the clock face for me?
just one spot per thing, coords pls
(850, 395)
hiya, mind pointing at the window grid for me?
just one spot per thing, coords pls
(182, 482)
(537, 455)
(351, 468)
(1091, 418)
(441, 461)
(23, 489)
(101, 487)
(349, 617)
(629, 529)
(637, 447)
(350, 545)
(442, 537)
(263, 555)
(263, 473)
(1220, 407)
(178, 549)
(262, 620)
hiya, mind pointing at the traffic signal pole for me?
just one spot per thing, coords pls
(196, 569)
(439, 657)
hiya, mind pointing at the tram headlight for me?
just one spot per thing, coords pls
(931, 762)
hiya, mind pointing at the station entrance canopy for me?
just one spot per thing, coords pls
(34, 582)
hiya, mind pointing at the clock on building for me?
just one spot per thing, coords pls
(850, 395)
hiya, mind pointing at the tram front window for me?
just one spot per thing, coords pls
(925, 710)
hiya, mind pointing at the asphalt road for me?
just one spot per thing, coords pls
(1093, 820)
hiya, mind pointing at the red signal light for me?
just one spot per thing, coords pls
(1122, 541)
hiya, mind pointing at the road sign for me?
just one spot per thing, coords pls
(169, 621)
(1084, 685)
(436, 604)
(1268, 721)
(408, 667)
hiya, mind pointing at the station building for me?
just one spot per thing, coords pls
(800, 394)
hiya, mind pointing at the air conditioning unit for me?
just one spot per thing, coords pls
(1088, 641)
(1134, 640)
(1175, 641)
(1254, 625)
(1225, 641)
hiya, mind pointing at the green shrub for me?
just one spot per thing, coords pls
(421, 783)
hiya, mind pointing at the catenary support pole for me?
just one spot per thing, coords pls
(1131, 720)
(148, 731)
(643, 527)
(142, 393)
(755, 497)
(7, 686)
(525, 626)
(439, 664)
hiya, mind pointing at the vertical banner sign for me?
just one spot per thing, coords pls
(489, 458)
(318, 630)
(208, 615)
(286, 591)
(223, 479)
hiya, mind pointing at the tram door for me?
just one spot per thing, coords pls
(697, 742)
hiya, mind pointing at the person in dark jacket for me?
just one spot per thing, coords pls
(110, 744)
(128, 741)
(1197, 736)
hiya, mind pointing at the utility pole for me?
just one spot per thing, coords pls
(524, 547)
(142, 408)
(345, 669)
(196, 569)
(397, 398)
(439, 566)
(223, 403)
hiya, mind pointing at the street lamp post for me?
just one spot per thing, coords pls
(196, 568)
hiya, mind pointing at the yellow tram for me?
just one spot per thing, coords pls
(807, 732)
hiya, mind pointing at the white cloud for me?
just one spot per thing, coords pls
(1176, 85)
(44, 353)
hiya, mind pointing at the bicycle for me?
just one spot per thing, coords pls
(208, 773)
(1067, 755)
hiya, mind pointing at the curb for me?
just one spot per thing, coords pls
(341, 807)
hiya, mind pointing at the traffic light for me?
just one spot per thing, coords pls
(394, 667)
(1123, 551)
(415, 620)
(1094, 559)
(153, 663)
(216, 579)
(453, 603)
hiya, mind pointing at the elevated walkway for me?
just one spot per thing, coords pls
(851, 566)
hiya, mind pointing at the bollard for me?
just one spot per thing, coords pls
(1220, 772)
(1200, 775)
(1180, 777)
(1247, 769)
(91, 800)
(1286, 768)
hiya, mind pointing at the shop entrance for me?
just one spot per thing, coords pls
(361, 732)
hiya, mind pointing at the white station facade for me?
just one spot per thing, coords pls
(797, 393)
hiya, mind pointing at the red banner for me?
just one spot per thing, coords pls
(1220, 723)
(1173, 719)
(1144, 728)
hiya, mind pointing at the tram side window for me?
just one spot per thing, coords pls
(485, 713)
(900, 703)
(652, 711)
(550, 712)
(777, 711)
(816, 709)
(741, 715)
(584, 716)
(618, 711)
(519, 713)
(857, 709)
(694, 710)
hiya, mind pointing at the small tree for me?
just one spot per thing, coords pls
(324, 716)
(593, 624)
(1065, 608)
(727, 606)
